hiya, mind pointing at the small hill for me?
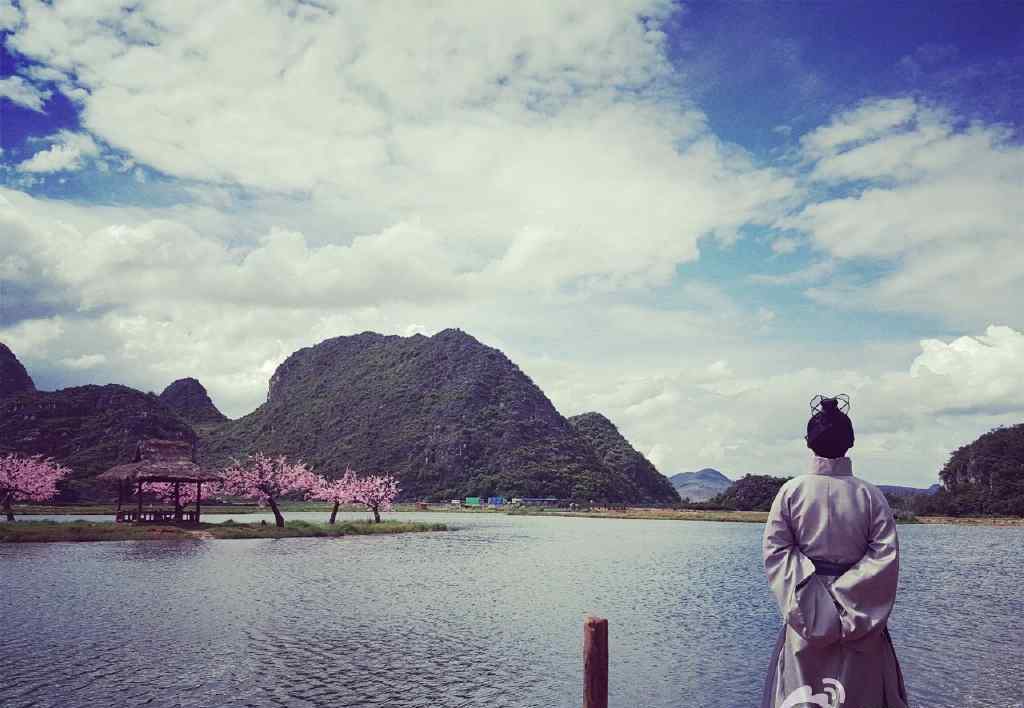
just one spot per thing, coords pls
(88, 428)
(753, 492)
(701, 485)
(449, 416)
(189, 398)
(983, 477)
(13, 376)
(648, 486)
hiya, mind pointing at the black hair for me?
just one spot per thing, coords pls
(830, 430)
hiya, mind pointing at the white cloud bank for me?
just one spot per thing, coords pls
(546, 141)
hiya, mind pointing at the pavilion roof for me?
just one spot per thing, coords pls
(161, 461)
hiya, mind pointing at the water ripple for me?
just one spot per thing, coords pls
(487, 615)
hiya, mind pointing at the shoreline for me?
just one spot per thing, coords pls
(759, 517)
(723, 516)
(29, 531)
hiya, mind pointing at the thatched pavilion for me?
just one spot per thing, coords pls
(160, 461)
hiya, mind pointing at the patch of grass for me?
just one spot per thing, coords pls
(305, 529)
(38, 531)
(49, 531)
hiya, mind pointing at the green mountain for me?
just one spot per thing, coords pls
(87, 428)
(647, 485)
(447, 415)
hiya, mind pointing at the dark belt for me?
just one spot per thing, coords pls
(824, 567)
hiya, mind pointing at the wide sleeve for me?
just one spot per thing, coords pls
(804, 601)
(866, 592)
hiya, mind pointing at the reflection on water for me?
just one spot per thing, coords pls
(487, 615)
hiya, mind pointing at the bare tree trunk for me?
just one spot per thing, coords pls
(376, 514)
(334, 513)
(278, 519)
(7, 507)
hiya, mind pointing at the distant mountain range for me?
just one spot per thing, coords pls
(898, 491)
(700, 485)
(447, 415)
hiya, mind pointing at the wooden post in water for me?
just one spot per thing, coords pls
(595, 662)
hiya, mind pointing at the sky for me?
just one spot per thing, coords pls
(691, 217)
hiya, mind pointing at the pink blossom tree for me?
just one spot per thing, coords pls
(266, 479)
(338, 491)
(377, 492)
(28, 479)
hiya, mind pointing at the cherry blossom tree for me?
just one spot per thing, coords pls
(377, 492)
(28, 479)
(266, 479)
(338, 491)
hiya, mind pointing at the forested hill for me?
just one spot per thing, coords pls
(449, 416)
(985, 477)
(88, 428)
(648, 485)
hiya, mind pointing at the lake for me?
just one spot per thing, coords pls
(489, 614)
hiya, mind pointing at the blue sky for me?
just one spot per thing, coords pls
(692, 217)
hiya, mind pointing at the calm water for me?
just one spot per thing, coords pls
(487, 615)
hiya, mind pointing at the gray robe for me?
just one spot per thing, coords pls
(835, 643)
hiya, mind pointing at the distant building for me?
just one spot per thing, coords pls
(495, 501)
(472, 501)
(537, 501)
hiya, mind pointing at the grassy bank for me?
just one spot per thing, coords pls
(48, 531)
(664, 514)
(759, 517)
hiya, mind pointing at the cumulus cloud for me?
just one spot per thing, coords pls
(938, 206)
(548, 141)
(21, 92)
(67, 152)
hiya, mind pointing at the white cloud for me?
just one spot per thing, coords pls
(10, 16)
(933, 210)
(21, 92)
(868, 121)
(65, 154)
(85, 361)
(546, 142)
(812, 273)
